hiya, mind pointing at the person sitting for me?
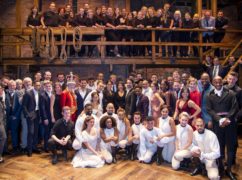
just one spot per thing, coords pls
(149, 138)
(61, 135)
(205, 150)
(184, 135)
(109, 135)
(90, 155)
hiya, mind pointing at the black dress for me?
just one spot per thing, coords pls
(108, 97)
(57, 107)
(119, 100)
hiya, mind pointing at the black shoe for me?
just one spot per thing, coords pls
(23, 150)
(15, 151)
(36, 151)
(196, 172)
(159, 158)
(29, 153)
(114, 152)
(230, 175)
(64, 152)
(54, 159)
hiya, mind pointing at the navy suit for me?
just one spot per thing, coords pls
(80, 100)
(45, 115)
(142, 106)
(32, 116)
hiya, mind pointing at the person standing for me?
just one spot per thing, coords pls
(31, 107)
(224, 124)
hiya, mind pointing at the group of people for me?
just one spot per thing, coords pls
(115, 19)
(176, 119)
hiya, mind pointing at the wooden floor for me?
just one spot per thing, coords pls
(40, 167)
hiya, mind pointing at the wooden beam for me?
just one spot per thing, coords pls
(199, 7)
(214, 7)
(18, 24)
(36, 3)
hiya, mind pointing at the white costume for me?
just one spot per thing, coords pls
(208, 144)
(122, 129)
(167, 142)
(108, 133)
(182, 136)
(115, 116)
(89, 97)
(148, 149)
(77, 143)
(148, 92)
(85, 157)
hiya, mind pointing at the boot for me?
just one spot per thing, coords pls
(128, 152)
(134, 152)
(159, 158)
(64, 152)
(198, 166)
(114, 152)
(54, 157)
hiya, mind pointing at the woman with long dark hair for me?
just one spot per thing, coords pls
(90, 154)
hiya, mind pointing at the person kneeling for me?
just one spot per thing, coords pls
(61, 135)
(148, 141)
(205, 150)
(184, 135)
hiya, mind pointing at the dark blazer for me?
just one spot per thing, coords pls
(29, 105)
(80, 100)
(13, 109)
(142, 106)
(44, 107)
(128, 102)
(226, 103)
(221, 71)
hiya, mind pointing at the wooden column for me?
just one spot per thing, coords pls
(214, 5)
(199, 7)
(111, 3)
(153, 47)
(127, 5)
(36, 3)
(18, 24)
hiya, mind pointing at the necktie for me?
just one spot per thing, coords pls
(137, 102)
(207, 23)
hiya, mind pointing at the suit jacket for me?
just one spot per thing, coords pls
(29, 105)
(12, 109)
(45, 107)
(221, 71)
(142, 106)
(128, 101)
(210, 25)
(226, 103)
(80, 100)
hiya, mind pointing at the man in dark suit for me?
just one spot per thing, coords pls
(129, 95)
(140, 103)
(222, 107)
(217, 69)
(45, 114)
(31, 112)
(61, 80)
(81, 94)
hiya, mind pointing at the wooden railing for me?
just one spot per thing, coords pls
(23, 34)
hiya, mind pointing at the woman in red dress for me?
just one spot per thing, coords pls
(185, 104)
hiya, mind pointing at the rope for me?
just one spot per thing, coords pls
(53, 49)
(63, 53)
(77, 36)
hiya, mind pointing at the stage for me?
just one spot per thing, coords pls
(40, 167)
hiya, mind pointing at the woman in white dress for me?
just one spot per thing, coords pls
(168, 131)
(97, 109)
(109, 135)
(123, 126)
(90, 154)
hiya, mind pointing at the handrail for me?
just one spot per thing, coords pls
(27, 31)
(233, 67)
(232, 52)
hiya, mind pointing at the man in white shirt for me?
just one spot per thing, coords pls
(110, 111)
(205, 150)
